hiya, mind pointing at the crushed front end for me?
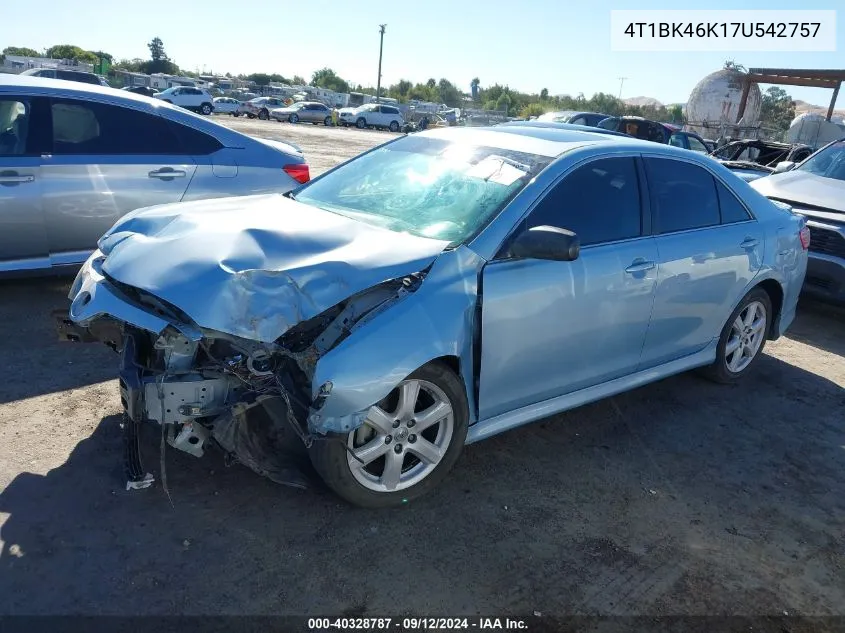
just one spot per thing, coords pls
(205, 388)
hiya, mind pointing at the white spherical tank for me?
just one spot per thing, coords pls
(813, 129)
(715, 99)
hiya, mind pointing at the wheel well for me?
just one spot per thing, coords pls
(452, 362)
(775, 292)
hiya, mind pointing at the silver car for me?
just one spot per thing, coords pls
(305, 111)
(74, 158)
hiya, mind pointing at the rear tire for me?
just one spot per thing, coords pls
(361, 123)
(327, 121)
(264, 114)
(293, 118)
(437, 387)
(742, 340)
(206, 109)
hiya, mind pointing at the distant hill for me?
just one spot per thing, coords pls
(802, 106)
(642, 101)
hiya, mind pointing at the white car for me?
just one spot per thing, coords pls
(188, 97)
(227, 105)
(374, 115)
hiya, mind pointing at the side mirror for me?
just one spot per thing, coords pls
(784, 165)
(546, 242)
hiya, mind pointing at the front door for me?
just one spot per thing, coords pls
(106, 161)
(709, 249)
(23, 241)
(551, 328)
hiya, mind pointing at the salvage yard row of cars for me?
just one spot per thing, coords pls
(441, 288)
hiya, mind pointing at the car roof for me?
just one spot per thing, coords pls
(553, 125)
(42, 86)
(549, 142)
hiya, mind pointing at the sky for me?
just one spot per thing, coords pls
(560, 45)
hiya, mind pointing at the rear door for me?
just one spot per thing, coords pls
(23, 240)
(106, 160)
(709, 249)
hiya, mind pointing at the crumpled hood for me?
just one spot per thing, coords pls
(256, 266)
(801, 186)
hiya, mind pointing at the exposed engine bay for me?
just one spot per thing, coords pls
(206, 389)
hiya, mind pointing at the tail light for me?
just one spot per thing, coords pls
(804, 234)
(298, 171)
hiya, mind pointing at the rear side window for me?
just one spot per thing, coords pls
(83, 127)
(194, 142)
(683, 195)
(599, 201)
(81, 77)
(732, 209)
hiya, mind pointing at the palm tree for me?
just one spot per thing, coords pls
(474, 86)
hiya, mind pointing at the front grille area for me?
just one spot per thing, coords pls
(827, 242)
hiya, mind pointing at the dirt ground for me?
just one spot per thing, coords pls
(682, 497)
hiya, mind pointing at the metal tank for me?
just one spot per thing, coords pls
(814, 130)
(713, 105)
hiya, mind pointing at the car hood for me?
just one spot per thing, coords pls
(256, 266)
(804, 187)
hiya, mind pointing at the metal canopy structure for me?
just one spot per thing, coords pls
(793, 77)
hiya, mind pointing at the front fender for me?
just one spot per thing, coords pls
(437, 320)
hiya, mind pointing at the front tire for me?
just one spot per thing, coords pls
(407, 445)
(206, 109)
(327, 121)
(361, 123)
(743, 338)
(394, 126)
(293, 118)
(264, 114)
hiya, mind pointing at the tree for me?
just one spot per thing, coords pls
(777, 109)
(327, 78)
(69, 51)
(532, 109)
(544, 94)
(298, 80)
(448, 93)
(156, 47)
(503, 103)
(23, 51)
(131, 65)
(677, 113)
(431, 83)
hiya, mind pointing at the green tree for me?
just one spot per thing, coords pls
(777, 109)
(69, 51)
(131, 65)
(448, 93)
(503, 103)
(544, 94)
(21, 50)
(156, 47)
(532, 109)
(677, 113)
(298, 80)
(328, 79)
(431, 83)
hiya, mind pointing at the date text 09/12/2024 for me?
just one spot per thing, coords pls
(417, 624)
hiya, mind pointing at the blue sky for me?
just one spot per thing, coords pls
(528, 44)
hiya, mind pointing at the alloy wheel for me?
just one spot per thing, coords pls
(747, 334)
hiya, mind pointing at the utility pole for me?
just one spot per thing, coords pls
(621, 83)
(380, 49)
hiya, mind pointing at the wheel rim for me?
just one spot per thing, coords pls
(362, 123)
(747, 333)
(294, 118)
(394, 127)
(262, 115)
(403, 439)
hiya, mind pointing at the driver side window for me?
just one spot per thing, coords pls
(599, 201)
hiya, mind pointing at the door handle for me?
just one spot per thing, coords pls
(749, 242)
(16, 179)
(166, 172)
(640, 266)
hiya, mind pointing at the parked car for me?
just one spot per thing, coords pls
(140, 90)
(374, 115)
(690, 141)
(434, 291)
(67, 75)
(305, 111)
(755, 158)
(638, 127)
(816, 189)
(227, 105)
(188, 97)
(575, 118)
(260, 107)
(74, 158)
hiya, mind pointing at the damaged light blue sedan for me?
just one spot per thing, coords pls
(439, 289)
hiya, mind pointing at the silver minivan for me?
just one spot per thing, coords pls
(74, 158)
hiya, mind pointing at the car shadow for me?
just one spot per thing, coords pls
(36, 362)
(679, 497)
(819, 325)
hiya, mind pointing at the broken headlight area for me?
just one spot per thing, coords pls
(249, 399)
